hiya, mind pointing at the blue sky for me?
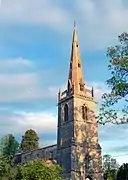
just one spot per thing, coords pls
(35, 45)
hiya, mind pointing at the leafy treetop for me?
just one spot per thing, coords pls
(30, 141)
(38, 170)
(123, 172)
(9, 146)
(118, 84)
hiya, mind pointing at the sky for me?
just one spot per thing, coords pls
(35, 46)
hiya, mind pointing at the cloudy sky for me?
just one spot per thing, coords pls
(35, 44)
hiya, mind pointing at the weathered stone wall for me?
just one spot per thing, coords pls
(77, 145)
(65, 134)
(45, 153)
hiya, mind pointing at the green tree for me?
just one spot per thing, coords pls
(38, 170)
(8, 148)
(9, 145)
(110, 167)
(30, 141)
(7, 171)
(122, 173)
(117, 83)
(4, 166)
(111, 175)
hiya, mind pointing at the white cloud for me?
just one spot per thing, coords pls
(18, 122)
(24, 87)
(17, 86)
(46, 12)
(13, 63)
(99, 22)
(21, 86)
(44, 123)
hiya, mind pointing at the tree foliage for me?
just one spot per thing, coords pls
(122, 173)
(38, 170)
(33, 170)
(118, 84)
(4, 166)
(9, 146)
(30, 141)
(7, 171)
(110, 167)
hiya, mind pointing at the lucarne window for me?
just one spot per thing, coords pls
(79, 65)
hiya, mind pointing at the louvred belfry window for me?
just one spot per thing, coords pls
(66, 112)
(84, 112)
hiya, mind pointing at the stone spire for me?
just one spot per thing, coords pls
(75, 79)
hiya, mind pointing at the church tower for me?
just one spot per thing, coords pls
(77, 141)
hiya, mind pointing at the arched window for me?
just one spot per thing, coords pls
(84, 112)
(66, 112)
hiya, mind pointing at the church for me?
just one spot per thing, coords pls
(77, 149)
